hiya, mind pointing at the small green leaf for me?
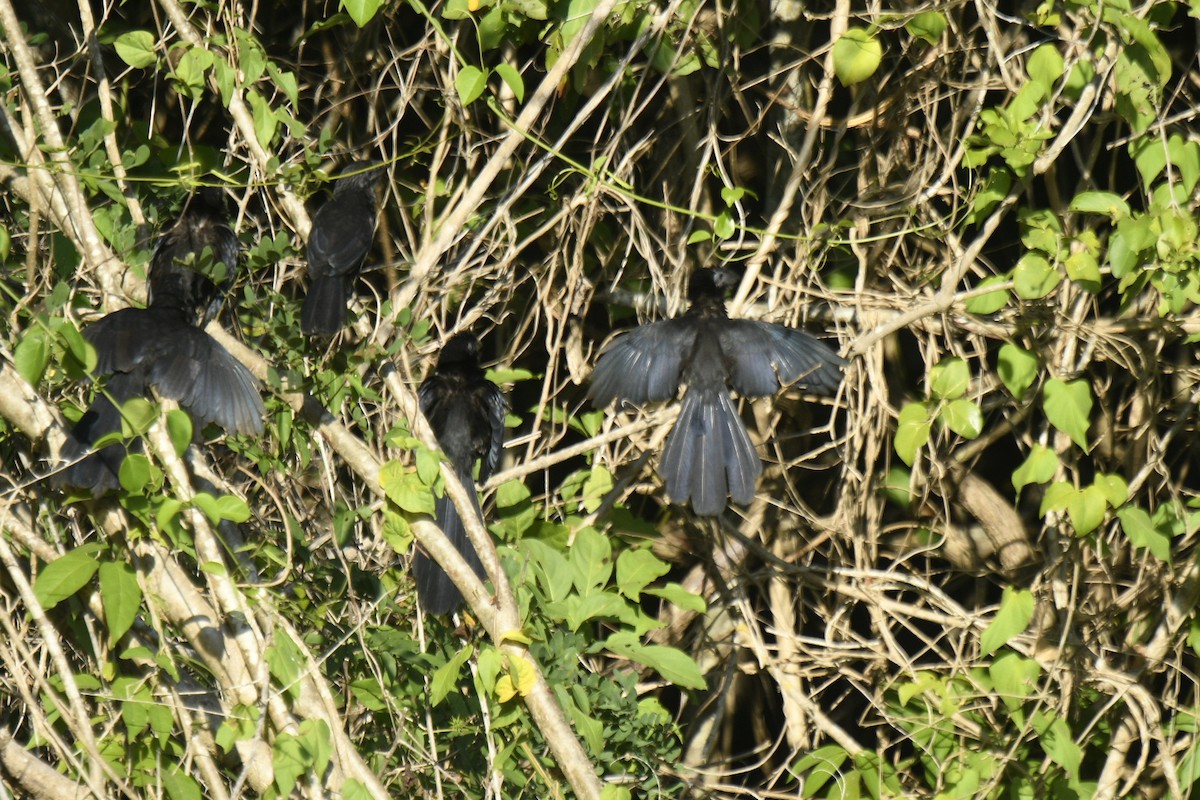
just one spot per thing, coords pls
(1086, 509)
(1107, 203)
(1035, 277)
(723, 226)
(121, 596)
(677, 595)
(362, 11)
(1057, 497)
(32, 356)
(989, 302)
(1016, 610)
(66, 575)
(1114, 487)
(912, 431)
(675, 665)
(470, 84)
(1144, 534)
(928, 25)
(136, 48)
(1038, 467)
(512, 78)
(1014, 678)
(856, 56)
(1084, 268)
(427, 466)
(445, 677)
(949, 378)
(1068, 406)
(699, 236)
(404, 488)
(637, 568)
(135, 473)
(1045, 66)
(1017, 368)
(964, 417)
(179, 428)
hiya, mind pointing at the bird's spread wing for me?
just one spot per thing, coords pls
(763, 356)
(643, 365)
(209, 382)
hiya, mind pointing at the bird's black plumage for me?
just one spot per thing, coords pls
(163, 346)
(708, 455)
(466, 412)
(342, 232)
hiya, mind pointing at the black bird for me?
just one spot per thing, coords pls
(341, 236)
(708, 454)
(164, 347)
(466, 412)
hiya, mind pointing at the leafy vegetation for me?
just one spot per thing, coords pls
(972, 574)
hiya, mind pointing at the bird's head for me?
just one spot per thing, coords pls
(712, 282)
(462, 348)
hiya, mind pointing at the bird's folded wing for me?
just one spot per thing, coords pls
(643, 365)
(764, 356)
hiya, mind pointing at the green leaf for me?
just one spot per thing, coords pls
(445, 677)
(179, 428)
(362, 11)
(1057, 497)
(121, 596)
(723, 225)
(1035, 277)
(136, 48)
(428, 468)
(1014, 678)
(929, 25)
(512, 78)
(635, 569)
(912, 431)
(224, 507)
(1114, 487)
(897, 486)
(964, 417)
(137, 415)
(590, 562)
(1045, 67)
(512, 493)
(677, 595)
(404, 488)
(856, 56)
(989, 302)
(1084, 268)
(470, 84)
(1016, 610)
(1038, 467)
(135, 473)
(818, 767)
(66, 575)
(675, 665)
(265, 121)
(32, 356)
(1142, 533)
(1086, 509)
(1107, 203)
(1017, 368)
(1068, 406)
(949, 378)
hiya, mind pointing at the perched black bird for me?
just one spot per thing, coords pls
(341, 236)
(163, 346)
(708, 454)
(466, 412)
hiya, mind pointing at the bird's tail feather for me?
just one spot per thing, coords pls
(435, 590)
(709, 455)
(324, 311)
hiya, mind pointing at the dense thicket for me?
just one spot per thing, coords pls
(972, 573)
